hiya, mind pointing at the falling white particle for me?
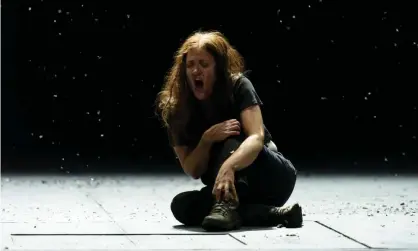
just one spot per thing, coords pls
(62, 159)
(55, 95)
(99, 57)
(82, 5)
(53, 121)
(403, 154)
(400, 126)
(78, 154)
(414, 137)
(369, 93)
(59, 34)
(278, 81)
(293, 16)
(128, 16)
(324, 98)
(30, 8)
(374, 116)
(395, 44)
(85, 74)
(386, 159)
(41, 136)
(73, 78)
(96, 20)
(31, 134)
(309, 6)
(365, 98)
(60, 11)
(88, 113)
(397, 30)
(98, 112)
(102, 135)
(62, 168)
(98, 157)
(53, 142)
(119, 126)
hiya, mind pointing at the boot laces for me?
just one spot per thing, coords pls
(221, 208)
(282, 210)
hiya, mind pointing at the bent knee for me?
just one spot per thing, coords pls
(178, 206)
(186, 209)
(222, 150)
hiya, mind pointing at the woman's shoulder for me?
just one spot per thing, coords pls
(242, 83)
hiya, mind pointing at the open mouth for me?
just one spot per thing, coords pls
(198, 84)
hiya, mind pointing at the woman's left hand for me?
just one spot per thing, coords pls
(224, 188)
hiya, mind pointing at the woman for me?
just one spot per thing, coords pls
(215, 126)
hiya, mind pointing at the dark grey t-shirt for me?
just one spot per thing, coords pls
(245, 96)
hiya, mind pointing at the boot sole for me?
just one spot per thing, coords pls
(214, 225)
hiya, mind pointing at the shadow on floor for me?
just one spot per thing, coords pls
(200, 230)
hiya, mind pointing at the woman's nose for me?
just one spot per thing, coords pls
(196, 70)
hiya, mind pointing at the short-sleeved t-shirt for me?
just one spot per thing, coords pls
(244, 96)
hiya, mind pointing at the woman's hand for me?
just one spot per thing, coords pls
(224, 188)
(221, 131)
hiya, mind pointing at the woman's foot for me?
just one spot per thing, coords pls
(290, 216)
(223, 217)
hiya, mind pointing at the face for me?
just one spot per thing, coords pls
(200, 70)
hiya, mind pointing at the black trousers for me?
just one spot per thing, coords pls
(268, 182)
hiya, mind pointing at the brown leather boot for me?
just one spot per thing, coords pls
(223, 217)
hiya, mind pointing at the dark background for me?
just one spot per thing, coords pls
(79, 79)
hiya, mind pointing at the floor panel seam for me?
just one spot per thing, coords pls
(88, 195)
(346, 236)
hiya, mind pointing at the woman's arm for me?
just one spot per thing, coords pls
(194, 162)
(247, 152)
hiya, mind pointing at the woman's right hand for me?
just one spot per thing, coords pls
(221, 131)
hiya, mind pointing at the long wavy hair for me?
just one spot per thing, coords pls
(176, 103)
